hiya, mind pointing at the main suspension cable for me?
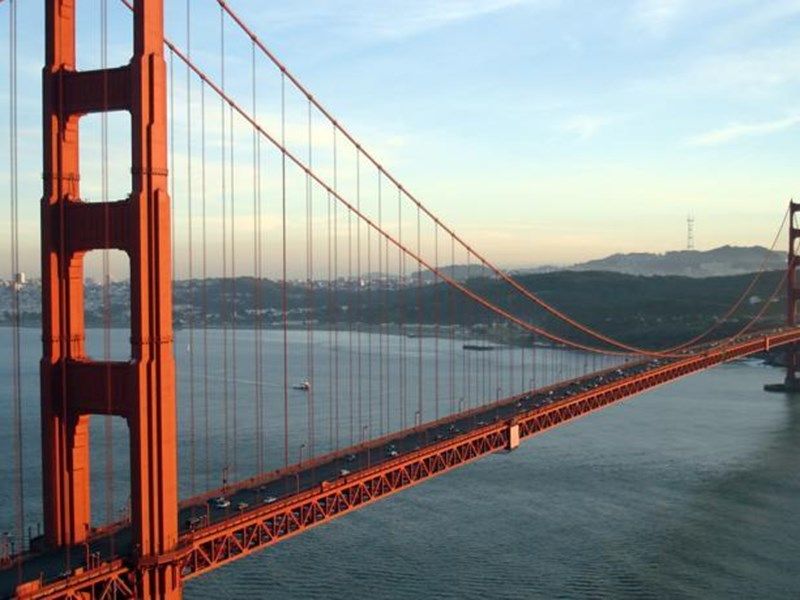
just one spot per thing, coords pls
(497, 271)
(551, 310)
(225, 98)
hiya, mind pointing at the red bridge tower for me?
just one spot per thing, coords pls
(791, 383)
(141, 390)
(792, 297)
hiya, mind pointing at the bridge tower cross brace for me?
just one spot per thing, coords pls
(74, 386)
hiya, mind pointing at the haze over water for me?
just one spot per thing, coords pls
(689, 491)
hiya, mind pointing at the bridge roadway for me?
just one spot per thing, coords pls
(277, 505)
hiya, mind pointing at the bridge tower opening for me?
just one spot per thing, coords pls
(73, 386)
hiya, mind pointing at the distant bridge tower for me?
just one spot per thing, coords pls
(690, 232)
(791, 383)
(141, 390)
(792, 297)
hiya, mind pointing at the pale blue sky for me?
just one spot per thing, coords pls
(544, 131)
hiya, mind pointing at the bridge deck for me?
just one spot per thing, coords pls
(285, 504)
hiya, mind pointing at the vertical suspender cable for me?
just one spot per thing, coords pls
(16, 372)
(462, 319)
(509, 342)
(172, 177)
(384, 284)
(547, 360)
(204, 289)
(351, 392)
(257, 305)
(310, 287)
(234, 326)
(486, 366)
(172, 149)
(190, 274)
(225, 282)
(284, 306)
(371, 335)
(401, 341)
(534, 383)
(330, 321)
(467, 359)
(436, 318)
(452, 322)
(359, 290)
(492, 362)
(521, 366)
(337, 303)
(419, 318)
(387, 370)
(261, 245)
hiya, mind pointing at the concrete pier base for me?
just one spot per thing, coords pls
(790, 385)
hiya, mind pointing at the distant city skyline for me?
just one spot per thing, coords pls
(543, 131)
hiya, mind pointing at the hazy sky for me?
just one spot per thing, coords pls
(544, 131)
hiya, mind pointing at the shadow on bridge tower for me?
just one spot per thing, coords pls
(74, 387)
(791, 383)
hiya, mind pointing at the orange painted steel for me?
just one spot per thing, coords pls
(111, 580)
(792, 296)
(65, 452)
(142, 390)
(243, 534)
(73, 386)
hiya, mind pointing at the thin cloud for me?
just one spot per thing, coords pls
(755, 19)
(761, 72)
(432, 15)
(585, 127)
(737, 131)
(394, 19)
(657, 16)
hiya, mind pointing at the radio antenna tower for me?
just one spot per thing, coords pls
(690, 232)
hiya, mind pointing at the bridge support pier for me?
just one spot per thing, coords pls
(791, 383)
(513, 437)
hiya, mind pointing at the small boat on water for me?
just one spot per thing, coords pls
(303, 386)
(478, 347)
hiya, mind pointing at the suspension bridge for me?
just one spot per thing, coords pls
(291, 394)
